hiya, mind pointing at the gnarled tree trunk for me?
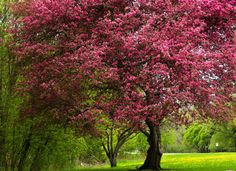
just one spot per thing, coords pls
(154, 154)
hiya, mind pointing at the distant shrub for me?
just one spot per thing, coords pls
(198, 136)
(91, 151)
(224, 138)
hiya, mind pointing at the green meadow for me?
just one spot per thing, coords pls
(178, 162)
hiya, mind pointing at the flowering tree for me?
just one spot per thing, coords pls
(166, 58)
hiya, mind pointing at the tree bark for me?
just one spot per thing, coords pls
(154, 154)
(24, 152)
(112, 160)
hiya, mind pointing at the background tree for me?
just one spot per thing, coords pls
(9, 99)
(115, 137)
(172, 139)
(27, 142)
(224, 137)
(198, 136)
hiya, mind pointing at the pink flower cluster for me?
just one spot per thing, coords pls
(148, 59)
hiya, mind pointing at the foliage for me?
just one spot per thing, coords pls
(136, 146)
(9, 99)
(198, 136)
(90, 150)
(113, 42)
(172, 140)
(54, 148)
(225, 137)
(27, 143)
(211, 137)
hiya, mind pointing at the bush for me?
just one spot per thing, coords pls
(172, 140)
(91, 150)
(134, 147)
(198, 136)
(225, 137)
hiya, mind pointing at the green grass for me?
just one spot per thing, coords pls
(179, 162)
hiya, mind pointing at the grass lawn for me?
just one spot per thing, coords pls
(179, 162)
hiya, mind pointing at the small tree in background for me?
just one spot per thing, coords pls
(114, 137)
(198, 136)
(225, 137)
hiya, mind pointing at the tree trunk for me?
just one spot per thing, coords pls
(154, 154)
(35, 166)
(112, 148)
(25, 149)
(112, 160)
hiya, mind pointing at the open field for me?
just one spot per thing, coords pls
(180, 162)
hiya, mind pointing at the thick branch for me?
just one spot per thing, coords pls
(145, 132)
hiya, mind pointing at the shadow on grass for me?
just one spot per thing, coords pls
(134, 168)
